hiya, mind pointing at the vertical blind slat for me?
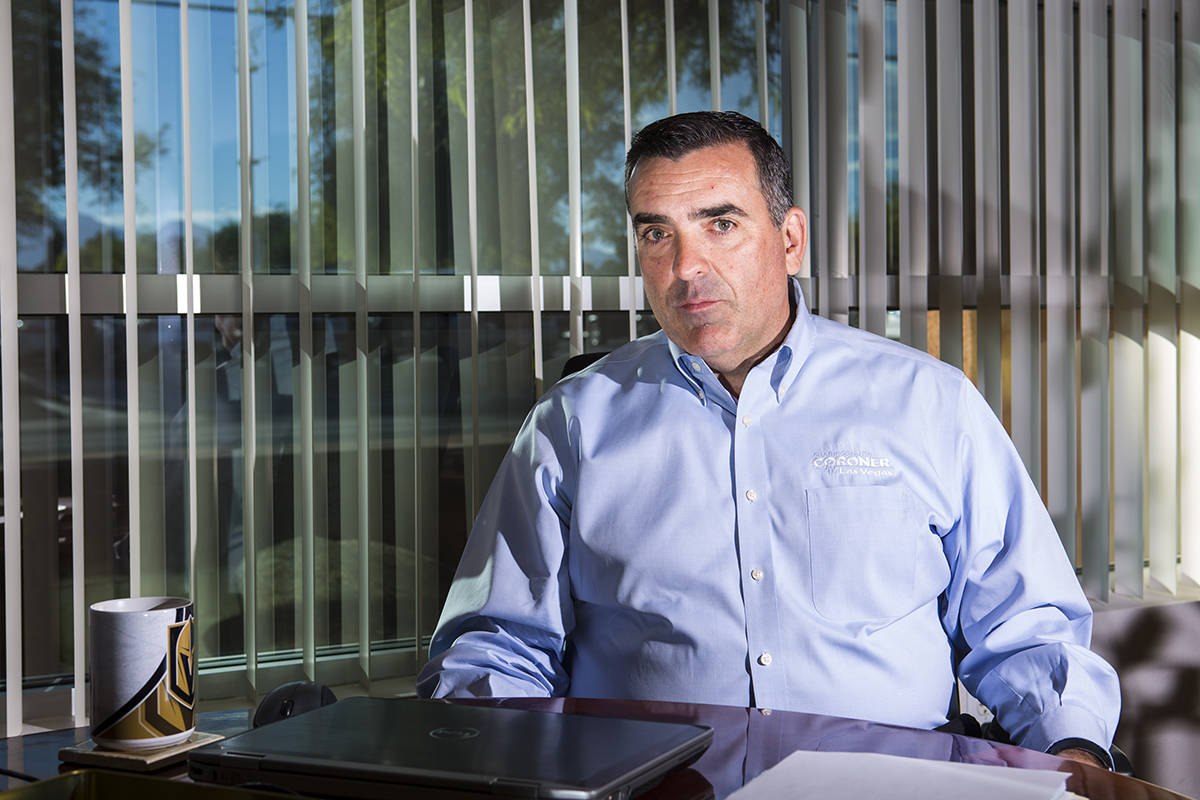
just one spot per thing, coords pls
(913, 166)
(988, 324)
(1162, 454)
(248, 344)
(872, 176)
(362, 345)
(304, 389)
(1058, 137)
(832, 245)
(1128, 363)
(714, 53)
(75, 358)
(950, 252)
(1023, 176)
(796, 106)
(414, 72)
(669, 18)
(475, 491)
(189, 264)
(1093, 294)
(760, 62)
(9, 387)
(130, 297)
(575, 247)
(627, 128)
(531, 154)
(1187, 169)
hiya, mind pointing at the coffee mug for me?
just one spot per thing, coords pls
(143, 669)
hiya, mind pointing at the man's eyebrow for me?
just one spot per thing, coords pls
(723, 210)
(644, 218)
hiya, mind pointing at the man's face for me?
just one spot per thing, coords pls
(714, 265)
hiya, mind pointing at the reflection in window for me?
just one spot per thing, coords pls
(98, 112)
(506, 384)
(550, 107)
(445, 426)
(501, 159)
(395, 533)
(277, 540)
(38, 130)
(45, 507)
(331, 150)
(891, 142)
(647, 63)
(216, 193)
(162, 440)
(220, 573)
(774, 25)
(335, 479)
(693, 76)
(646, 324)
(105, 458)
(395, 142)
(444, 392)
(603, 332)
(273, 120)
(738, 23)
(602, 139)
(158, 124)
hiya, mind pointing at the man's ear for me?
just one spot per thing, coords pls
(795, 239)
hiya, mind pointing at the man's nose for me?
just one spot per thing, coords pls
(690, 258)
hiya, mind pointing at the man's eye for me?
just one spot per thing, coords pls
(723, 225)
(654, 235)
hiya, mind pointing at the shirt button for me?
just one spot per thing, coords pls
(765, 659)
(746, 420)
(756, 574)
(700, 393)
(695, 366)
(766, 712)
(751, 495)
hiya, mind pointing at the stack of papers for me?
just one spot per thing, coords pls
(808, 773)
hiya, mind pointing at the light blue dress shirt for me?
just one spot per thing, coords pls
(843, 538)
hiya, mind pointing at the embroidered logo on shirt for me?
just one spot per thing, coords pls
(855, 463)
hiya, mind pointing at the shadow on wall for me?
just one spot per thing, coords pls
(1156, 651)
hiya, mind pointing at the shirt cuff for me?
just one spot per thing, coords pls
(1099, 752)
(1066, 722)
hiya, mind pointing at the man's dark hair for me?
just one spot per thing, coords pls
(675, 137)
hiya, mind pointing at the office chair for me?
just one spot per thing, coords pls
(578, 362)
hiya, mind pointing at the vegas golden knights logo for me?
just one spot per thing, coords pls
(180, 666)
(164, 705)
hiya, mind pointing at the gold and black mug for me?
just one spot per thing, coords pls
(143, 670)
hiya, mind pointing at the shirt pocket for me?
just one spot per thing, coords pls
(866, 545)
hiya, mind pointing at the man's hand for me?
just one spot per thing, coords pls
(1082, 756)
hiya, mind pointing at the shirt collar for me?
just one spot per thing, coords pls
(784, 364)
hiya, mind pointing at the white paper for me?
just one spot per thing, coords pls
(808, 773)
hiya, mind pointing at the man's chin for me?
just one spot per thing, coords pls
(707, 343)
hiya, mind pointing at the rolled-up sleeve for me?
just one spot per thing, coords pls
(506, 620)
(1014, 609)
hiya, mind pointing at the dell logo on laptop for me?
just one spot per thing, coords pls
(454, 733)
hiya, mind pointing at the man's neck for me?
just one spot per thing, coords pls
(734, 379)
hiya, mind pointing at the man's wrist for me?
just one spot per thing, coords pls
(1085, 745)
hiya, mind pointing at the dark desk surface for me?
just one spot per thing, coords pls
(36, 754)
(747, 742)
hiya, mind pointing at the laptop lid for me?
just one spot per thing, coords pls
(370, 746)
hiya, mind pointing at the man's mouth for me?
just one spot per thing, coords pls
(697, 306)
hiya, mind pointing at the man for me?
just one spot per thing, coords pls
(757, 506)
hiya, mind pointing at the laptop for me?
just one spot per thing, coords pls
(374, 747)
